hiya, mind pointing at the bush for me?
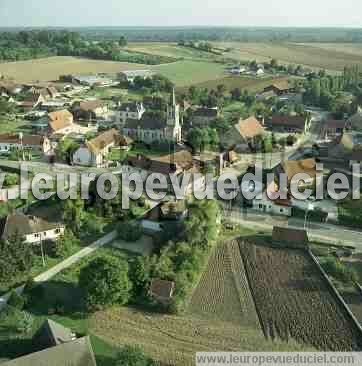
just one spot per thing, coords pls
(339, 271)
(133, 356)
(105, 282)
(17, 301)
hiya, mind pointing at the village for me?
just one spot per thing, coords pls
(165, 257)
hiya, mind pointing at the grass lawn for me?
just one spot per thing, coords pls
(9, 123)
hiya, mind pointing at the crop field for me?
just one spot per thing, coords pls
(294, 301)
(223, 292)
(51, 68)
(174, 340)
(182, 73)
(168, 50)
(242, 82)
(328, 56)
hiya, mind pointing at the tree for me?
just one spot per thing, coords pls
(105, 282)
(133, 356)
(65, 150)
(140, 275)
(64, 245)
(73, 211)
(236, 94)
(16, 257)
(273, 63)
(129, 232)
(122, 42)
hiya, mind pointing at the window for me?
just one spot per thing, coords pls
(45, 233)
(37, 235)
(57, 231)
(281, 210)
(260, 206)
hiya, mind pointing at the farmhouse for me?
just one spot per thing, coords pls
(60, 122)
(90, 110)
(244, 134)
(295, 238)
(153, 127)
(32, 229)
(132, 110)
(279, 88)
(288, 124)
(20, 141)
(177, 164)
(32, 100)
(271, 203)
(95, 151)
(9, 88)
(203, 116)
(162, 290)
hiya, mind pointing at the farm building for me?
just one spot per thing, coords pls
(288, 124)
(289, 237)
(95, 151)
(279, 88)
(243, 135)
(130, 75)
(162, 290)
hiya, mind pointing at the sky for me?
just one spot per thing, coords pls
(286, 13)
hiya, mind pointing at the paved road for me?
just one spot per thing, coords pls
(328, 233)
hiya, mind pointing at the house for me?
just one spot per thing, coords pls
(51, 105)
(169, 211)
(52, 334)
(260, 72)
(162, 290)
(95, 151)
(236, 69)
(78, 352)
(294, 238)
(271, 203)
(10, 88)
(332, 129)
(32, 100)
(177, 164)
(130, 75)
(32, 229)
(132, 110)
(204, 116)
(21, 141)
(294, 167)
(154, 127)
(90, 110)
(288, 124)
(243, 135)
(279, 87)
(60, 122)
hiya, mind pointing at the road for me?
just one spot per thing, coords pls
(328, 233)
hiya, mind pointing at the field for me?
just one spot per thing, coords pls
(328, 56)
(294, 301)
(242, 82)
(51, 68)
(181, 73)
(184, 73)
(223, 292)
(169, 50)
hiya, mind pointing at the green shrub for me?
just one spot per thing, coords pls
(339, 271)
(17, 301)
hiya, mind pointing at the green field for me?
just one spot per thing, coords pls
(184, 73)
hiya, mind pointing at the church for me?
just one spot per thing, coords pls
(156, 127)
